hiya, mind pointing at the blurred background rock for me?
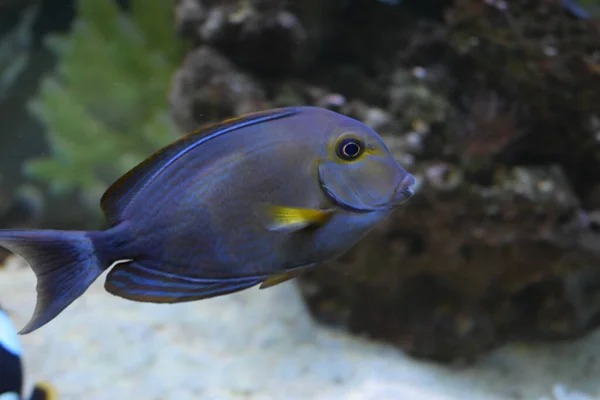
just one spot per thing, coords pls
(494, 105)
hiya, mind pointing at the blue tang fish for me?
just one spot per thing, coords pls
(252, 200)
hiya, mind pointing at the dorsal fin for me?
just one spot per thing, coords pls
(121, 193)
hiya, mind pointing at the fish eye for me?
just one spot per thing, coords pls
(349, 149)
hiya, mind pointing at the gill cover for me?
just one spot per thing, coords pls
(367, 185)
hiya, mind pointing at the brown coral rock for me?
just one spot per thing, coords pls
(209, 87)
(462, 268)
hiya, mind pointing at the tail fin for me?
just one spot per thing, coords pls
(64, 262)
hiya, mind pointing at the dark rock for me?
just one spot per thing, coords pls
(209, 88)
(259, 34)
(463, 268)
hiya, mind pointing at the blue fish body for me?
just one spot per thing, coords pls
(251, 200)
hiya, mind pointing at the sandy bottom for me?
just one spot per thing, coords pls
(262, 344)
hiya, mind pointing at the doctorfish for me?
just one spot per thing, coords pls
(252, 200)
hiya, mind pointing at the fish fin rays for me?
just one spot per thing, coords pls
(139, 283)
(291, 219)
(65, 265)
(121, 193)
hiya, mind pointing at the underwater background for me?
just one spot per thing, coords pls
(484, 285)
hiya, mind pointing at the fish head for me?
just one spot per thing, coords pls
(359, 172)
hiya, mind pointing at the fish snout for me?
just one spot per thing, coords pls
(405, 189)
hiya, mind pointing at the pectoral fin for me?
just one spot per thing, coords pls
(290, 219)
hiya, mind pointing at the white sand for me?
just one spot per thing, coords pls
(259, 345)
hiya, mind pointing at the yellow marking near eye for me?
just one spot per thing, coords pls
(370, 149)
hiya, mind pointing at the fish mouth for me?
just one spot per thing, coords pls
(405, 190)
(402, 195)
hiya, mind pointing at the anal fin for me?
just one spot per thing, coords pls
(139, 283)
